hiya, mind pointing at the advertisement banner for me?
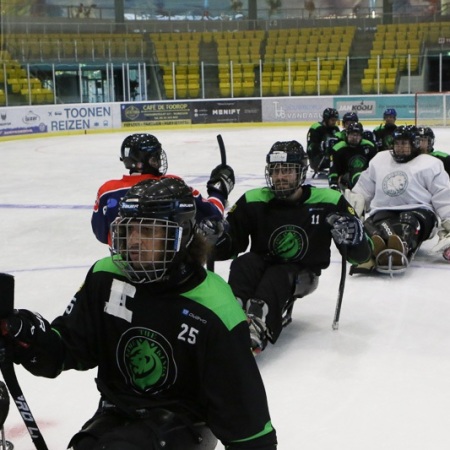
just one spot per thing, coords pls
(17, 121)
(151, 114)
(296, 109)
(372, 107)
(226, 111)
(21, 120)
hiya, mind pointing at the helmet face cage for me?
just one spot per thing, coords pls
(144, 249)
(405, 134)
(286, 168)
(156, 222)
(354, 134)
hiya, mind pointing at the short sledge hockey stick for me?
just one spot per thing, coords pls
(223, 159)
(7, 366)
(337, 312)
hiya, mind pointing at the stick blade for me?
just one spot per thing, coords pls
(6, 294)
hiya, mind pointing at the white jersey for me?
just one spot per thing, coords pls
(419, 183)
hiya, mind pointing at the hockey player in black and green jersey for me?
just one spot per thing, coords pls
(290, 226)
(170, 342)
(426, 142)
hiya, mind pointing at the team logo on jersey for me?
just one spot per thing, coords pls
(358, 162)
(395, 183)
(288, 242)
(146, 360)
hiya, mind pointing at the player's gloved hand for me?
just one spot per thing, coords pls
(334, 186)
(443, 245)
(345, 229)
(23, 327)
(212, 229)
(221, 181)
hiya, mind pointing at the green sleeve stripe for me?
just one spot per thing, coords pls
(106, 265)
(322, 195)
(259, 195)
(216, 295)
(267, 429)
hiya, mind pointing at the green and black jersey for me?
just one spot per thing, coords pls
(350, 160)
(285, 231)
(383, 136)
(184, 347)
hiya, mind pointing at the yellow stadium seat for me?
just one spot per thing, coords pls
(333, 86)
(311, 87)
(367, 85)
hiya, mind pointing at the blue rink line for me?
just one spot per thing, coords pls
(40, 206)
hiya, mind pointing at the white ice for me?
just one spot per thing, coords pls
(382, 381)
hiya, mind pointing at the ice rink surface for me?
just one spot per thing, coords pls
(382, 381)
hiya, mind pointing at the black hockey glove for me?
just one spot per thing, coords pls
(212, 229)
(221, 181)
(22, 329)
(345, 229)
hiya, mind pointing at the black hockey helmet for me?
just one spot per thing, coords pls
(286, 156)
(349, 117)
(428, 133)
(156, 223)
(369, 136)
(143, 153)
(354, 133)
(405, 133)
(330, 113)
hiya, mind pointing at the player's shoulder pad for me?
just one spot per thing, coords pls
(106, 265)
(324, 195)
(341, 144)
(215, 294)
(367, 142)
(263, 194)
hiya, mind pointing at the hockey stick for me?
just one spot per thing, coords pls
(337, 312)
(4, 409)
(7, 367)
(223, 154)
(223, 158)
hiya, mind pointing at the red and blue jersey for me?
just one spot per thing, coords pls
(106, 207)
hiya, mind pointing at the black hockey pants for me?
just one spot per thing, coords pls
(251, 276)
(159, 429)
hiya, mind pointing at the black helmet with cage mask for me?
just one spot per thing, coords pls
(354, 134)
(155, 226)
(143, 153)
(428, 133)
(285, 158)
(409, 134)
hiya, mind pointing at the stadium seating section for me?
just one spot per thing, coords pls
(278, 62)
